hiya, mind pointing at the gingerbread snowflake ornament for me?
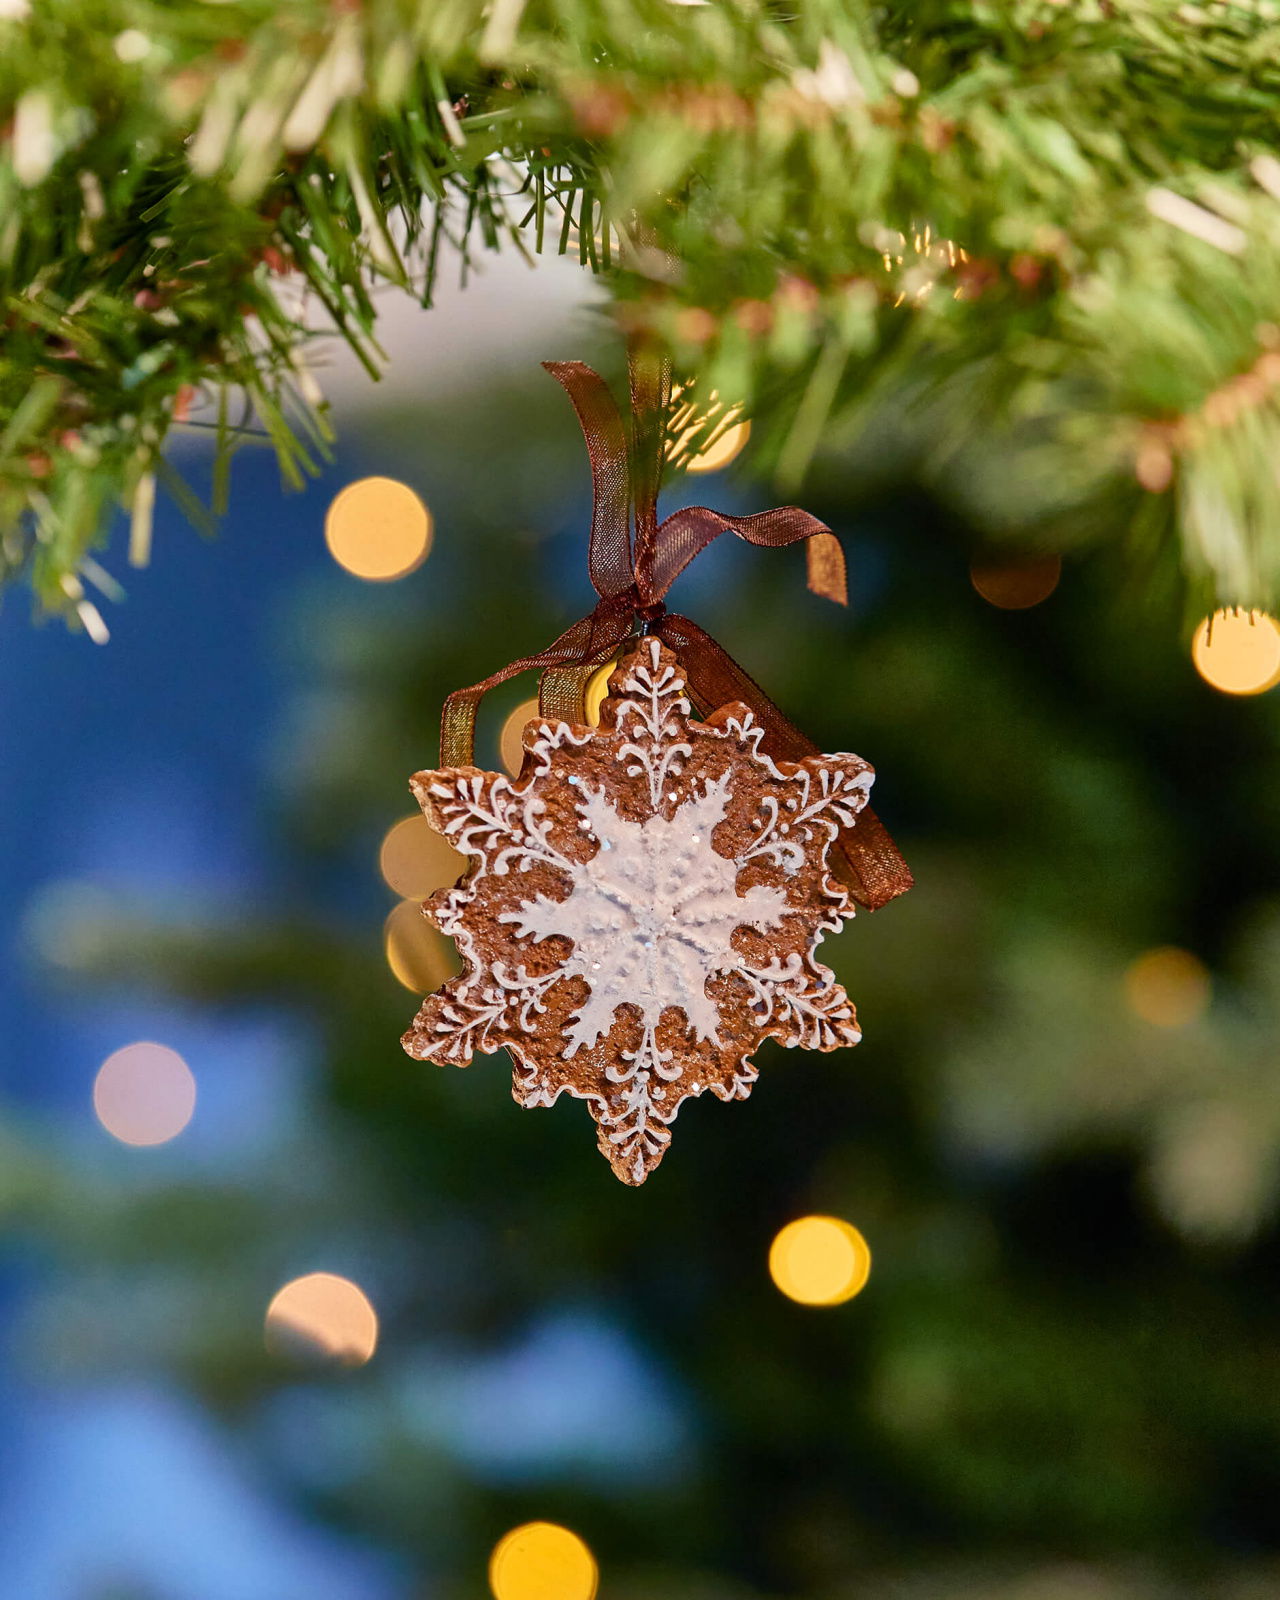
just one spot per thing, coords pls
(642, 907)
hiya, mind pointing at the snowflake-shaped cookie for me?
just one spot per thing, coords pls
(641, 908)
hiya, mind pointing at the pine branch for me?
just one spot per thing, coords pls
(1040, 230)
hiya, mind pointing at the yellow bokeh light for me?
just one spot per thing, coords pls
(819, 1261)
(416, 861)
(419, 955)
(510, 749)
(688, 419)
(323, 1315)
(1167, 987)
(1238, 652)
(1016, 585)
(144, 1094)
(542, 1561)
(378, 529)
(722, 450)
(597, 691)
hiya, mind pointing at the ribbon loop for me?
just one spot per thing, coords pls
(650, 375)
(687, 533)
(609, 553)
(632, 578)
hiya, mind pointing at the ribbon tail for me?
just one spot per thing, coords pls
(825, 568)
(687, 532)
(869, 861)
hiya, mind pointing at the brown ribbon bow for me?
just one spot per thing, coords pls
(633, 583)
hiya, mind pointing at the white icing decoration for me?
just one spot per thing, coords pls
(652, 921)
(646, 720)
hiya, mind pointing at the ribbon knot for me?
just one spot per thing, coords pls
(633, 560)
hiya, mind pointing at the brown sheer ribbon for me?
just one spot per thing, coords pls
(632, 580)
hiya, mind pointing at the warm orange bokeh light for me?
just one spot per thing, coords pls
(144, 1094)
(419, 955)
(510, 749)
(323, 1315)
(819, 1261)
(1167, 987)
(1238, 652)
(378, 529)
(542, 1561)
(416, 861)
(1016, 585)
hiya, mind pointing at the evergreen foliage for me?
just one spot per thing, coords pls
(1059, 1382)
(1026, 250)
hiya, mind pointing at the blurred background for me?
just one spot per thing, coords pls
(287, 1316)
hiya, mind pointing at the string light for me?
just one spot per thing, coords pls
(1016, 585)
(819, 1261)
(419, 955)
(932, 258)
(510, 748)
(144, 1094)
(378, 529)
(1238, 652)
(416, 861)
(1167, 987)
(323, 1315)
(542, 1561)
